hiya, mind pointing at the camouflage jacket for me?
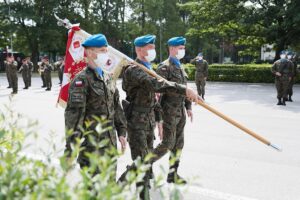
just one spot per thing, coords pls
(201, 66)
(283, 66)
(91, 95)
(25, 69)
(140, 88)
(171, 72)
(11, 67)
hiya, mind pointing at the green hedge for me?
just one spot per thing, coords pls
(250, 73)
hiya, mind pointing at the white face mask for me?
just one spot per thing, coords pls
(180, 54)
(151, 55)
(289, 57)
(101, 59)
(282, 56)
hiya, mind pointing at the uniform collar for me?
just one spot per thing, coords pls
(175, 61)
(146, 64)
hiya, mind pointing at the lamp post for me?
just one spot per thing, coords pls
(11, 36)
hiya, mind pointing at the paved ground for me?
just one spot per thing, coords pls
(221, 161)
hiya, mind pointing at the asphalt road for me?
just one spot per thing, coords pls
(221, 161)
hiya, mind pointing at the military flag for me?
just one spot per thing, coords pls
(75, 58)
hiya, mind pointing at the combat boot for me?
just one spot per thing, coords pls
(48, 89)
(283, 101)
(9, 86)
(279, 101)
(173, 176)
(290, 98)
(203, 96)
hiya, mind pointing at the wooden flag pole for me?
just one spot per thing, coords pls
(218, 113)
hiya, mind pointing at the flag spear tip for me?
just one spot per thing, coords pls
(276, 147)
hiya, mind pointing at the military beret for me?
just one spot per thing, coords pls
(283, 52)
(144, 40)
(290, 53)
(98, 40)
(200, 54)
(46, 57)
(176, 41)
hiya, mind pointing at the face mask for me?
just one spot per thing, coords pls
(282, 56)
(289, 57)
(180, 54)
(101, 59)
(151, 55)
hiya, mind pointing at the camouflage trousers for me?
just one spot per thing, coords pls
(200, 83)
(8, 75)
(174, 120)
(26, 79)
(291, 85)
(88, 148)
(43, 78)
(48, 81)
(282, 86)
(14, 81)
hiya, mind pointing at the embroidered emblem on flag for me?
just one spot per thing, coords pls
(78, 83)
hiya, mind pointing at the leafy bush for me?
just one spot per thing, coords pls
(249, 73)
(23, 177)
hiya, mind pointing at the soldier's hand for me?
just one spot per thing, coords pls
(278, 74)
(190, 114)
(205, 78)
(192, 95)
(123, 142)
(290, 78)
(160, 130)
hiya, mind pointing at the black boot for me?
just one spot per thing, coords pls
(203, 96)
(279, 101)
(283, 101)
(173, 176)
(43, 86)
(48, 89)
(290, 98)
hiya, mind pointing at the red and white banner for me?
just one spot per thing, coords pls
(75, 60)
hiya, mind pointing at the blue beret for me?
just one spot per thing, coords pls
(176, 41)
(290, 53)
(283, 52)
(200, 54)
(98, 40)
(144, 40)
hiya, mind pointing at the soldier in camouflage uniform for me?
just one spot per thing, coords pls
(59, 65)
(42, 73)
(201, 73)
(12, 67)
(291, 56)
(141, 106)
(25, 70)
(8, 69)
(47, 72)
(93, 94)
(30, 71)
(283, 71)
(174, 107)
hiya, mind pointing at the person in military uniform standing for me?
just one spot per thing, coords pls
(283, 71)
(93, 93)
(12, 67)
(142, 107)
(47, 72)
(25, 70)
(30, 64)
(201, 73)
(59, 65)
(291, 57)
(174, 107)
(7, 64)
(42, 73)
